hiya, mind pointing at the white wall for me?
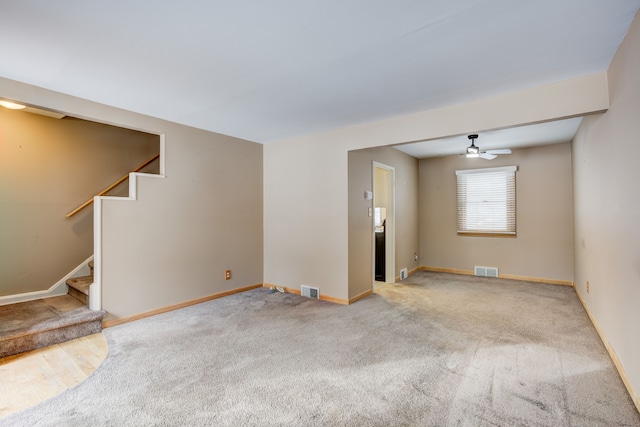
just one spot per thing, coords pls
(607, 210)
(174, 243)
(306, 179)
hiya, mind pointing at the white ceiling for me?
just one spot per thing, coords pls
(524, 136)
(271, 70)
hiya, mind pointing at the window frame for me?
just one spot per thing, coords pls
(508, 199)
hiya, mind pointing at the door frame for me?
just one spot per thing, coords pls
(390, 226)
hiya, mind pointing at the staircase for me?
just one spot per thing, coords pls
(79, 286)
(40, 323)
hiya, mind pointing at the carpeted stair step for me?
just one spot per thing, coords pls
(79, 288)
(40, 323)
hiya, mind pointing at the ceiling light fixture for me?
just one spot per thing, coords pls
(474, 151)
(12, 105)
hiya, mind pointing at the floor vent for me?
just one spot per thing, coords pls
(404, 273)
(309, 292)
(485, 271)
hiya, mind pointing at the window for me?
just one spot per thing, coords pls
(487, 201)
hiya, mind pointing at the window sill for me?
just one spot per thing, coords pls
(480, 234)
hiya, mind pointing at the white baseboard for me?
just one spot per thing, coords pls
(58, 288)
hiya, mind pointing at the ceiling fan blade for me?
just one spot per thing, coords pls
(501, 151)
(488, 156)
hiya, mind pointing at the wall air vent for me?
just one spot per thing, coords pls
(485, 271)
(309, 292)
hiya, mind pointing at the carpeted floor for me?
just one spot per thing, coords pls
(39, 323)
(436, 350)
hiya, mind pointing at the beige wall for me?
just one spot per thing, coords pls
(380, 179)
(361, 225)
(47, 168)
(204, 218)
(305, 229)
(304, 176)
(174, 243)
(607, 210)
(543, 247)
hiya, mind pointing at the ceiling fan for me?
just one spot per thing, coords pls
(473, 151)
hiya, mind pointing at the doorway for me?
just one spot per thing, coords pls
(383, 178)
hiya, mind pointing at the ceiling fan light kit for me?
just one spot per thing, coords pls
(474, 151)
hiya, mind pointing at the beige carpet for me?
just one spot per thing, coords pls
(438, 350)
(40, 323)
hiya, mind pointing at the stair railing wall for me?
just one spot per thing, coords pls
(112, 186)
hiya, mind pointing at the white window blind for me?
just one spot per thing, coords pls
(487, 200)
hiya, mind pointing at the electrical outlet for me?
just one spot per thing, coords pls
(227, 274)
(587, 286)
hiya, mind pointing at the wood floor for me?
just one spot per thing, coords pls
(29, 378)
